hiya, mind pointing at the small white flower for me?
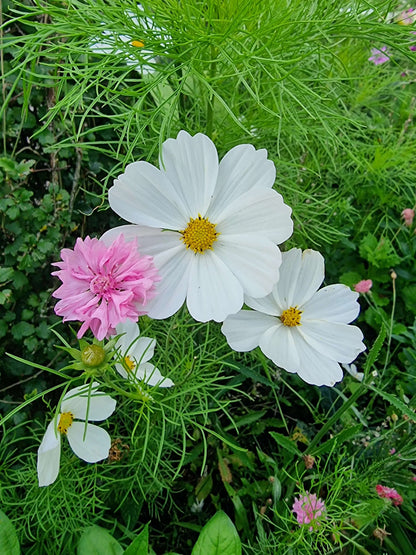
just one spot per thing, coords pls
(131, 47)
(212, 227)
(136, 351)
(89, 442)
(301, 329)
(352, 370)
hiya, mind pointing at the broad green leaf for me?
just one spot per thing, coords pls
(140, 545)
(338, 440)
(218, 537)
(9, 544)
(286, 443)
(97, 541)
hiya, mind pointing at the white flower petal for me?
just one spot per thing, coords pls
(245, 329)
(174, 267)
(84, 402)
(213, 291)
(252, 259)
(144, 195)
(338, 341)
(191, 164)
(278, 344)
(288, 349)
(300, 277)
(333, 303)
(241, 169)
(133, 344)
(315, 368)
(94, 447)
(151, 375)
(151, 241)
(49, 456)
(266, 304)
(258, 211)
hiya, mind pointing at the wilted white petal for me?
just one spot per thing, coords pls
(91, 444)
(151, 375)
(49, 455)
(85, 402)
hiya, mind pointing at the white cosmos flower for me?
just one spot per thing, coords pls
(301, 329)
(89, 442)
(130, 47)
(212, 228)
(136, 351)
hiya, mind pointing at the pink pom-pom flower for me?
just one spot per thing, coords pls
(379, 56)
(389, 493)
(408, 214)
(363, 286)
(309, 509)
(103, 285)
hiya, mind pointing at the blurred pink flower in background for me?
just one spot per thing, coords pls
(309, 509)
(102, 285)
(363, 286)
(408, 214)
(408, 17)
(379, 56)
(389, 493)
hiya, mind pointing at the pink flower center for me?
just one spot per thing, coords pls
(100, 285)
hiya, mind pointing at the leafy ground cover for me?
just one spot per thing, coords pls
(239, 455)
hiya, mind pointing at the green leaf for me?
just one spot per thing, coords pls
(286, 443)
(5, 274)
(140, 545)
(97, 541)
(375, 350)
(218, 537)
(395, 401)
(338, 440)
(9, 544)
(22, 329)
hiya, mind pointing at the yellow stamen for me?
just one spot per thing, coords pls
(291, 317)
(199, 234)
(65, 422)
(137, 43)
(129, 364)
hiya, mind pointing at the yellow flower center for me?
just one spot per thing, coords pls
(65, 422)
(199, 234)
(291, 317)
(129, 364)
(137, 43)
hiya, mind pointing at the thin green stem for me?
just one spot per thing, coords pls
(328, 425)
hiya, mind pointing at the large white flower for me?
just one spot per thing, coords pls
(301, 329)
(131, 47)
(89, 442)
(212, 228)
(136, 351)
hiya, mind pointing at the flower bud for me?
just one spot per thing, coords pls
(92, 356)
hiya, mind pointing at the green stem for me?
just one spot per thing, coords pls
(335, 417)
(210, 102)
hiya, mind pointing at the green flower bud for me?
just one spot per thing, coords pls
(92, 356)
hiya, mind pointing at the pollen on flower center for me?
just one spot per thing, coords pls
(291, 317)
(129, 364)
(65, 422)
(137, 43)
(199, 235)
(100, 285)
